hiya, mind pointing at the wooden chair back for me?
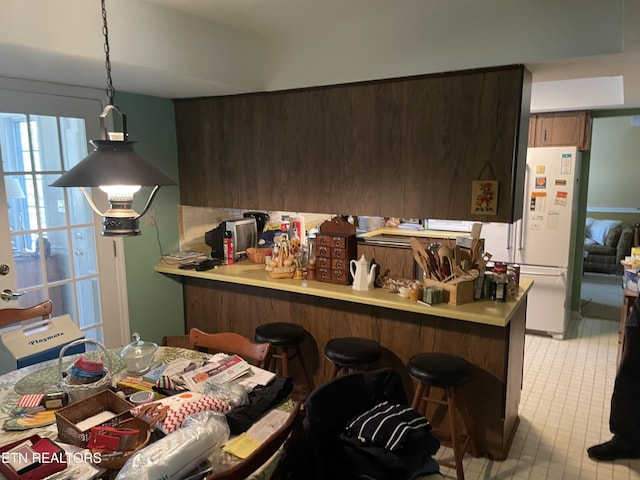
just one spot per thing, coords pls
(181, 341)
(9, 316)
(285, 436)
(230, 342)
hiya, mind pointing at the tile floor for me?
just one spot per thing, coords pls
(563, 410)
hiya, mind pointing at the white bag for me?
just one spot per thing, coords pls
(173, 456)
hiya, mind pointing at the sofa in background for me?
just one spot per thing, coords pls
(606, 243)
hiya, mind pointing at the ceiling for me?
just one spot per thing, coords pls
(191, 48)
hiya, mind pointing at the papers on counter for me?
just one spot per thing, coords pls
(184, 257)
(244, 444)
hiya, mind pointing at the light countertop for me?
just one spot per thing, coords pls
(246, 273)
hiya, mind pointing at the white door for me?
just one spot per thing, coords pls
(51, 241)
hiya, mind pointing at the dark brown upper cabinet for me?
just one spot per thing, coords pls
(561, 129)
(406, 147)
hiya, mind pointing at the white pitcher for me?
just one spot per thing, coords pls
(363, 274)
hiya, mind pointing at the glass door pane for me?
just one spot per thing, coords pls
(52, 229)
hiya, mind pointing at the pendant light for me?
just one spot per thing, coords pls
(115, 168)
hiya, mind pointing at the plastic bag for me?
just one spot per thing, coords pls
(176, 409)
(232, 394)
(180, 451)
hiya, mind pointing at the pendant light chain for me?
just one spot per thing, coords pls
(105, 31)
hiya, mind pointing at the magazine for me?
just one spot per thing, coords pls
(225, 370)
(184, 257)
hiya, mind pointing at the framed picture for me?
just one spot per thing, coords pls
(484, 197)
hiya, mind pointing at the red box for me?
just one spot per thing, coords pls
(51, 459)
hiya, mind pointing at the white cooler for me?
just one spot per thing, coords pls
(25, 345)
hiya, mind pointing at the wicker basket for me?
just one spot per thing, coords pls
(142, 439)
(256, 255)
(281, 272)
(82, 391)
(106, 401)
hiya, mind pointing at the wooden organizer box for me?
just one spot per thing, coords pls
(456, 292)
(68, 417)
(336, 247)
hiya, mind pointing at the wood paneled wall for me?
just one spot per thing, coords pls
(407, 147)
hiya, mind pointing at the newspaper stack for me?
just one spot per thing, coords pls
(225, 370)
(184, 257)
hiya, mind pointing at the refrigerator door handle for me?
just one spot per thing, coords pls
(520, 234)
(510, 235)
(541, 274)
(520, 231)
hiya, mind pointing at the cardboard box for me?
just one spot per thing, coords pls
(17, 455)
(21, 346)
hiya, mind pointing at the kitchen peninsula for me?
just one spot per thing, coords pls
(401, 147)
(489, 335)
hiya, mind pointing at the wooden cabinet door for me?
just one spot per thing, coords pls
(532, 131)
(463, 128)
(408, 147)
(559, 129)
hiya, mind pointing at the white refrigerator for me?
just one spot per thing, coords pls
(542, 242)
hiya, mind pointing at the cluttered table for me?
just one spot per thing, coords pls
(43, 378)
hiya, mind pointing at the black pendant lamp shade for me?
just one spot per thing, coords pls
(113, 163)
(113, 167)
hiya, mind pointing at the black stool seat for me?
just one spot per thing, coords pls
(352, 351)
(279, 334)
(439, 369)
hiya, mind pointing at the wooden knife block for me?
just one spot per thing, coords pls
(456, 292)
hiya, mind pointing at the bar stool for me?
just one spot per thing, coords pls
(447, 372)
(351, 353)
(284, 336)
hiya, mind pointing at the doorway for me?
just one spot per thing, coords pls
(601, 296)
(50, 235)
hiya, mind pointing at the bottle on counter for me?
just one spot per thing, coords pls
(500, 280)
(488, 285)
(416, 291)
(515, 269)
(311, 258)
(227, 248)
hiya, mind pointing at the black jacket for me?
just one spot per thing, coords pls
(328, 453)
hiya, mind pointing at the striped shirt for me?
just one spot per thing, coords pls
(387, 425)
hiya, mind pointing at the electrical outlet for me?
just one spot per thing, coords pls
(151, 217)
